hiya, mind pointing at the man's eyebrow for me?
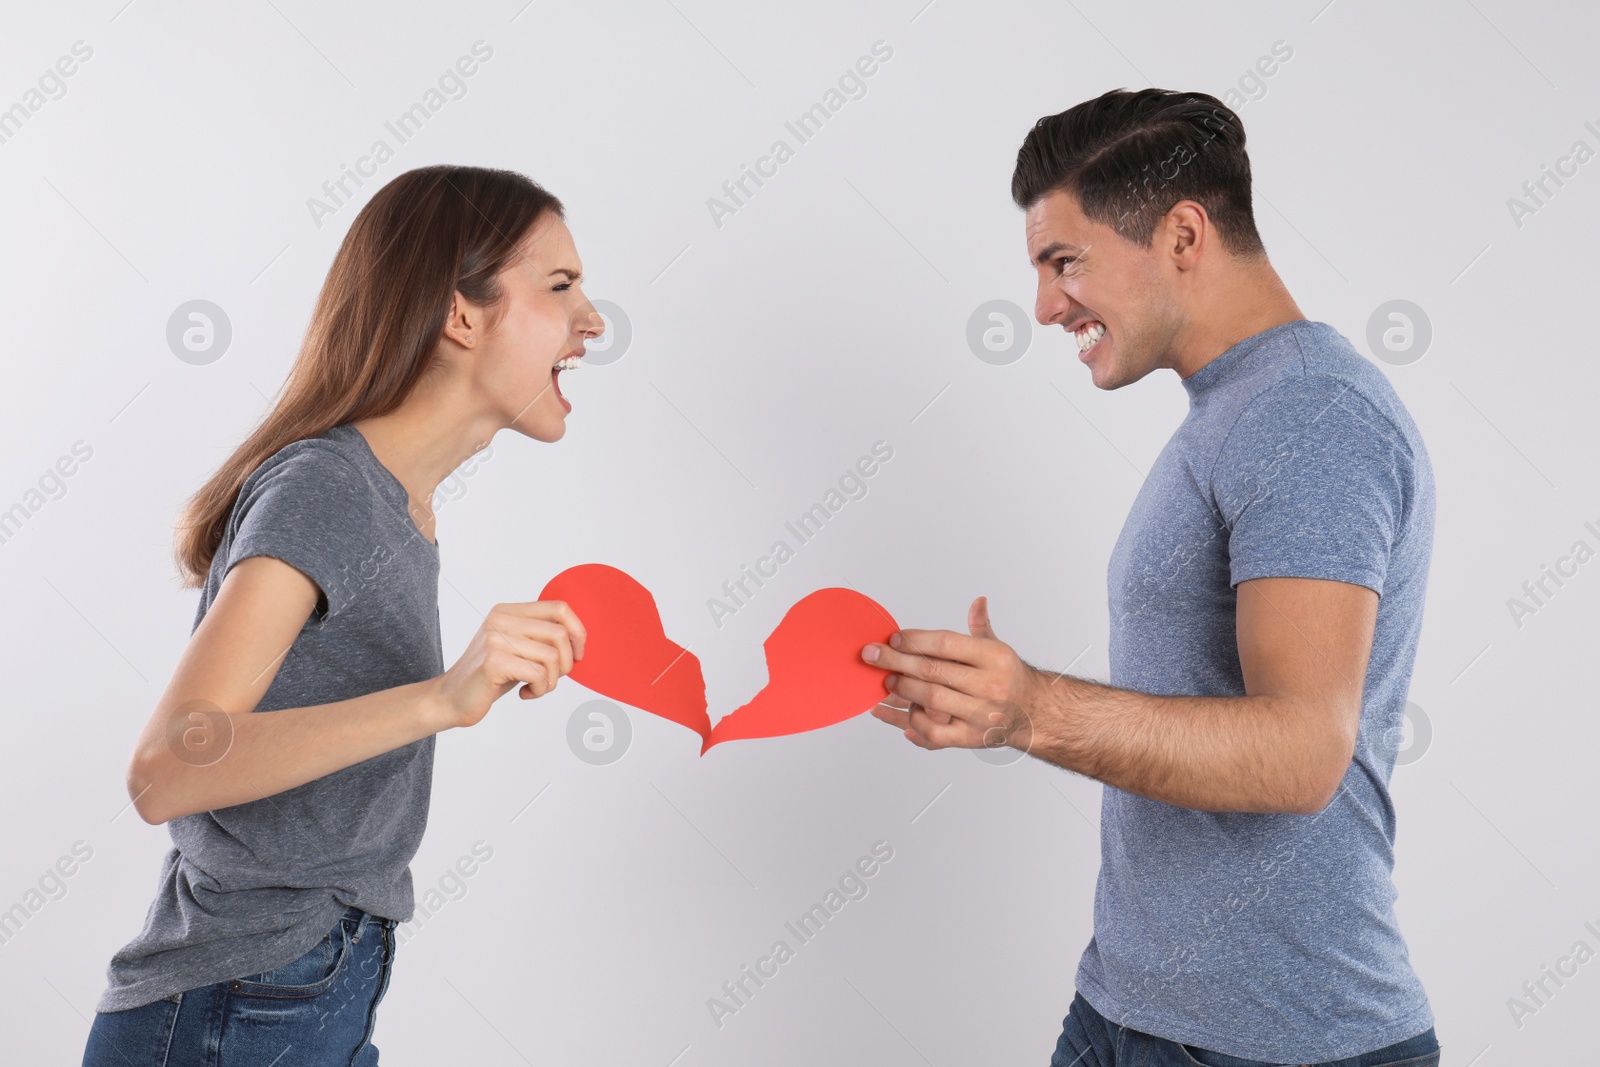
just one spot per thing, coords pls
(1048, 251)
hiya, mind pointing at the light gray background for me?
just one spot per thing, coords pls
(768, 354)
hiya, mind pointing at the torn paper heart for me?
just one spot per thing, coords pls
(627, 656)
(815, 675)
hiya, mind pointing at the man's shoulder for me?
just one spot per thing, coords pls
(1330, 362)
(1316, 382)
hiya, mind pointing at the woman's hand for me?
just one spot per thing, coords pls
(532, 643)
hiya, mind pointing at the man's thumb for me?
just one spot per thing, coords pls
(978, 618)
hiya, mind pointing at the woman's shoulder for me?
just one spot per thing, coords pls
(311, 505)
(310, 465)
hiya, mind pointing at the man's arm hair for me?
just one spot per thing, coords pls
(1303, 646)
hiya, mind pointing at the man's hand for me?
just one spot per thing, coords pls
(953, 690)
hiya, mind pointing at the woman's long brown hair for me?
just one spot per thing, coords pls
(426, 235)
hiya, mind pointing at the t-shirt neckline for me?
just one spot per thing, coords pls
(397, 489)
(1219, 369)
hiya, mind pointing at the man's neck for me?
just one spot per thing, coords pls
(1239, 304)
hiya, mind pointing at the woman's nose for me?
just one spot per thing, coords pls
(590, 323)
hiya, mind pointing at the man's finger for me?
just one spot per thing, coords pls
(895, 702)
(941, 644)
(948, 673)
(893, 716)
(935, 698)
(978, 619)
(939, 735)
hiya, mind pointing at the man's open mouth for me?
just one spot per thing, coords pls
(1088, 335)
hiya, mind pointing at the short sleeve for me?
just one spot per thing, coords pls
(302, 510)
(1313, 481)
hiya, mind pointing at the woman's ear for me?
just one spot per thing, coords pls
(464, 323)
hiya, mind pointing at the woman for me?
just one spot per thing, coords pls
(450, 311)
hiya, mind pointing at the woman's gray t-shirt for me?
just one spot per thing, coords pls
(251, 887)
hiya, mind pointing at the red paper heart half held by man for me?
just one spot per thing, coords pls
(627, 655)
(815, 676)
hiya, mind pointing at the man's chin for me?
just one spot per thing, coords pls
(1105, 377)
(1114, 377)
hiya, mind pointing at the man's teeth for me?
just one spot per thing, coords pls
(568, 363)
(1088, 335)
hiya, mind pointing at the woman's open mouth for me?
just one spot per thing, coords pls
(567, 362)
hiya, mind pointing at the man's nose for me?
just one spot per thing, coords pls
(1051, 305)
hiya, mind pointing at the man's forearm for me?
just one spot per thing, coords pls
(1250, 753)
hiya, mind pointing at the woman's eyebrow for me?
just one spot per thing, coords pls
(572, 275)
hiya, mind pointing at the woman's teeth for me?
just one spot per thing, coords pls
(568, 363)
(1088, 335)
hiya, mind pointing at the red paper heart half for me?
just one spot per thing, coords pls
(815, 675)
(627, 656)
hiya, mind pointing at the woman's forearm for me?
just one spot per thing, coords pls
(191, 761)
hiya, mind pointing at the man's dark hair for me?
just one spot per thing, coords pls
(1127, 157)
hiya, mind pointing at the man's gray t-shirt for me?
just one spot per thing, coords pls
(1265, 936)
(252, 887)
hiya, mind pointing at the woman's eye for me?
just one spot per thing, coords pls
(563, 287)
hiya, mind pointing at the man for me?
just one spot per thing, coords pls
(1266, 595)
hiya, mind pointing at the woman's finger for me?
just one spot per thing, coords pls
(528, 634)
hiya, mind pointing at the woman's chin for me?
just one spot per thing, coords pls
(543, 427)
(550, 434)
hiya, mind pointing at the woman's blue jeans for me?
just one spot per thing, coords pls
(317, 1010)
(1089, 1039)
